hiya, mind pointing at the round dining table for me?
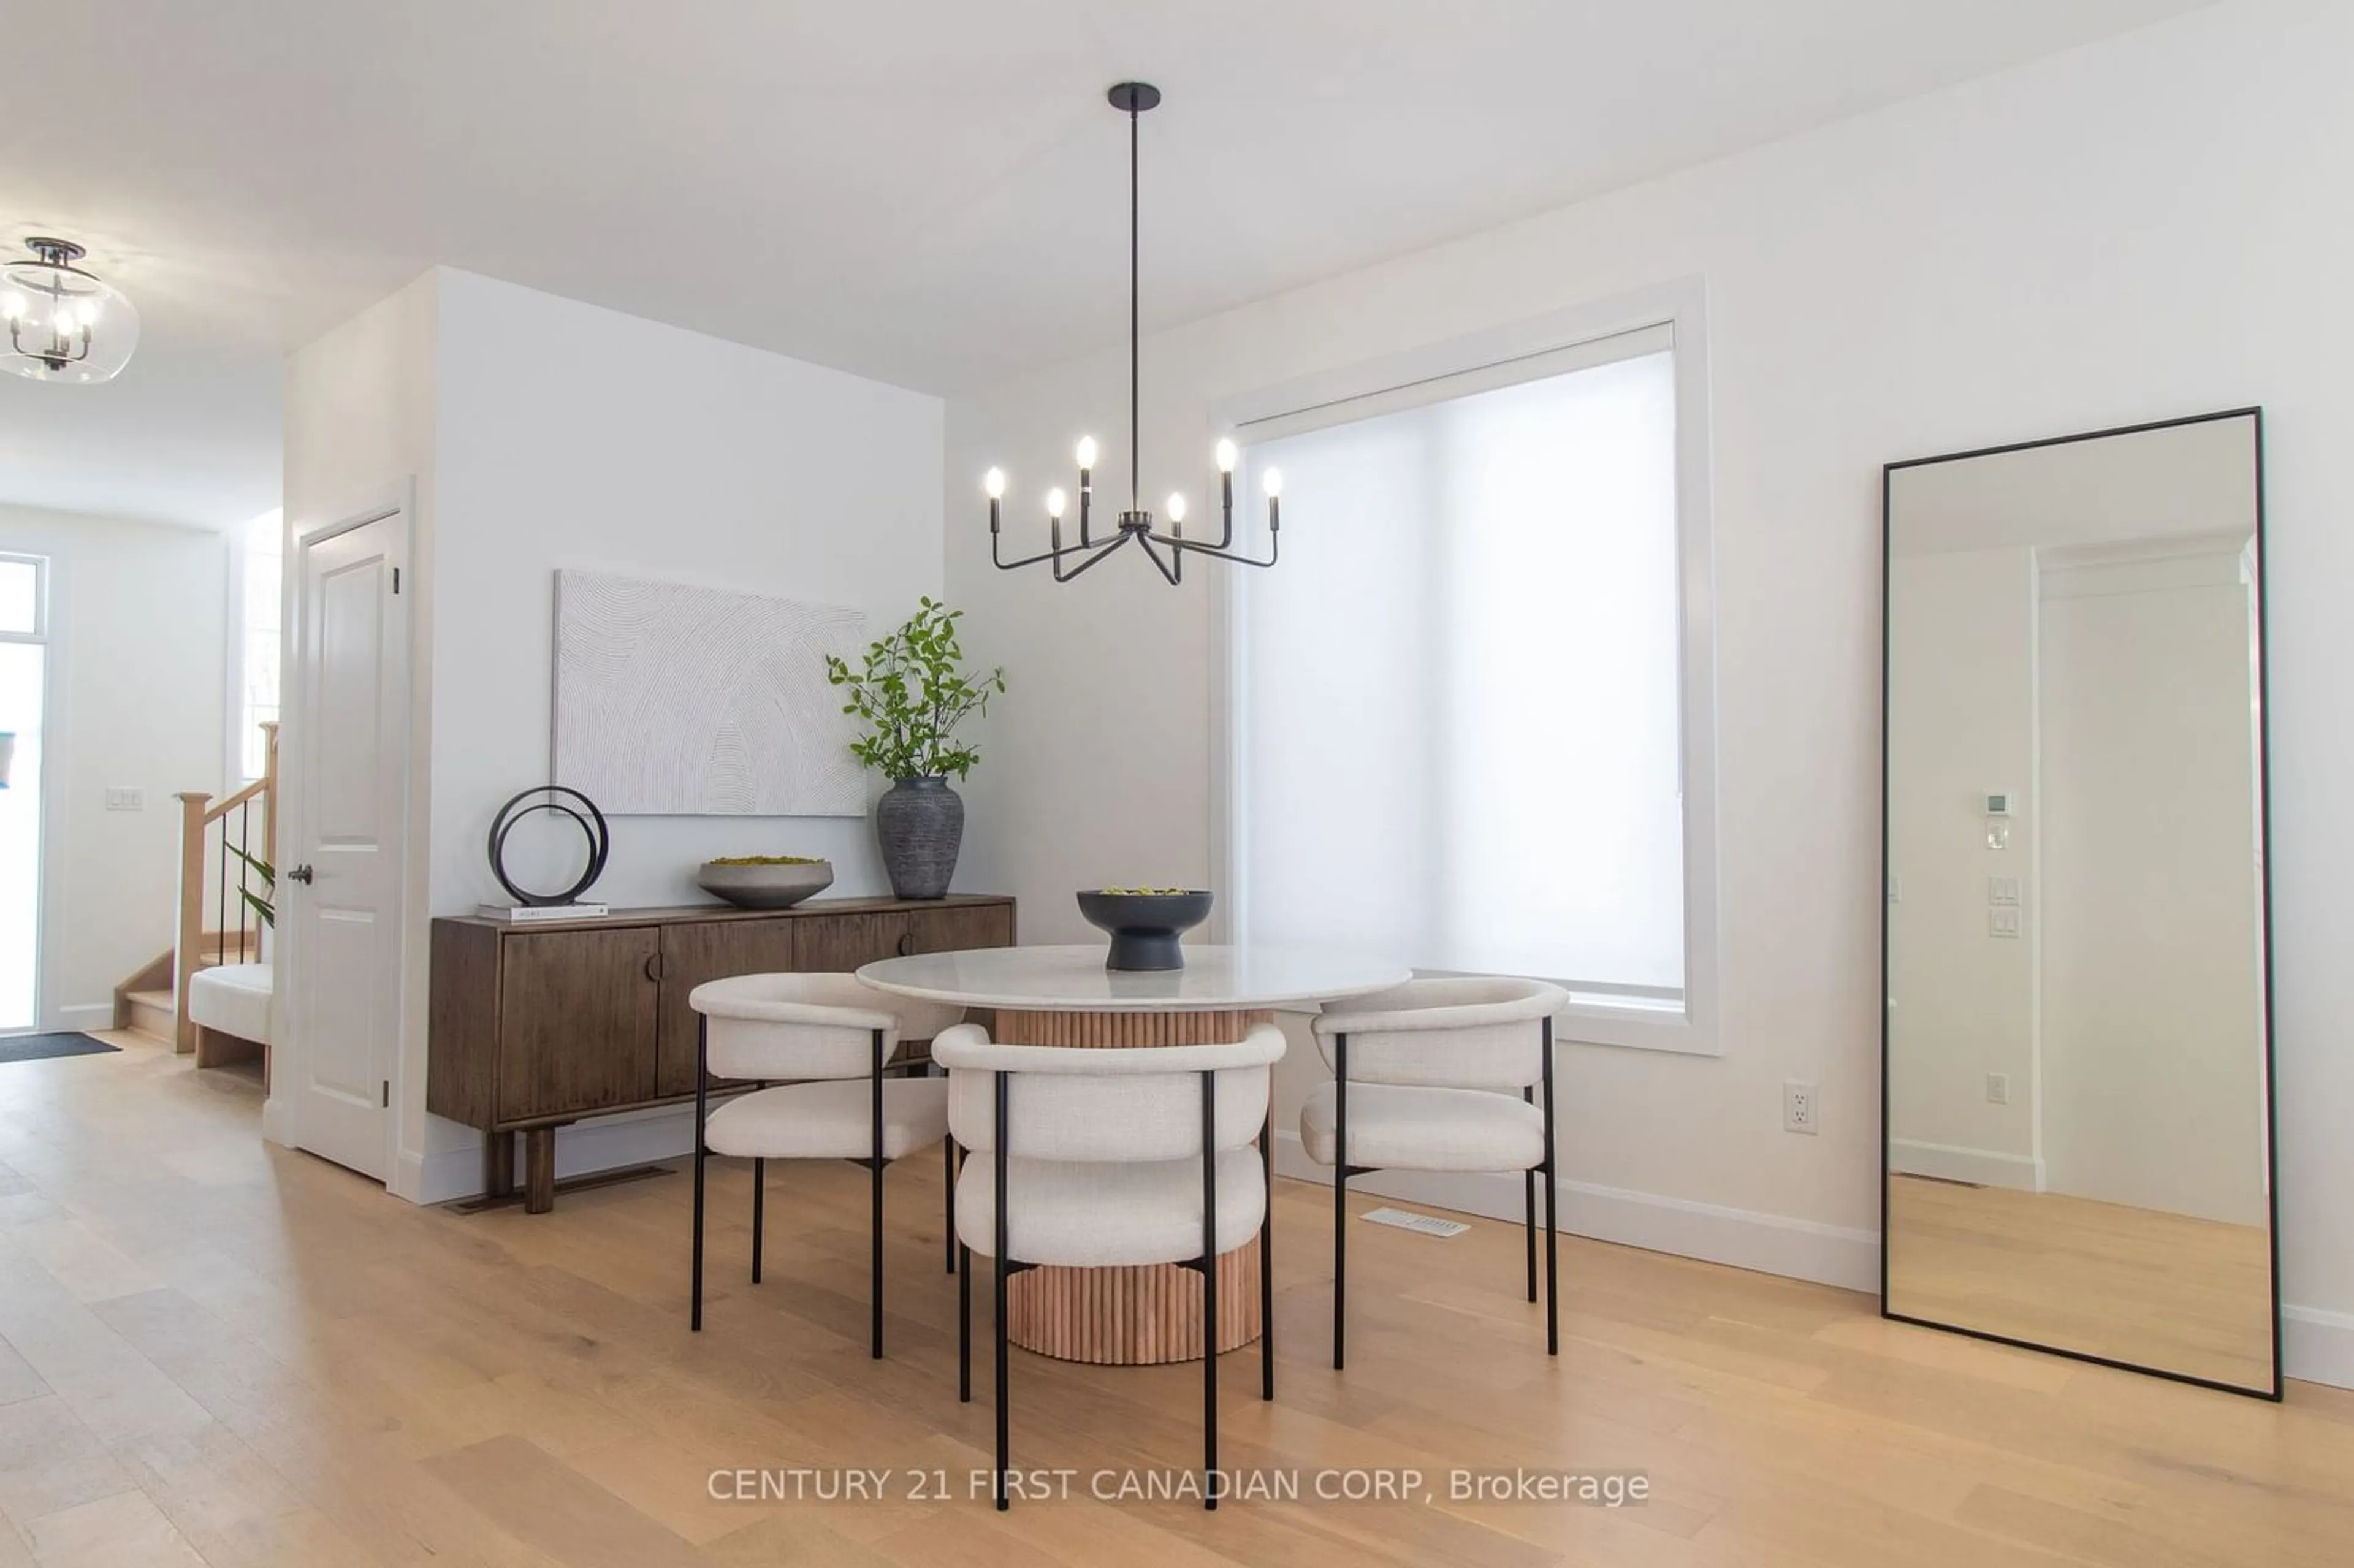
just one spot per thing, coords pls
(1065, 996)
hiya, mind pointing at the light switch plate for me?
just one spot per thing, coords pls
(2003, 923)
(2002, 890)
(1997, 1088)
(125, 797)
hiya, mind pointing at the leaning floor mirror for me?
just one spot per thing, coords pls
(2076, 1037)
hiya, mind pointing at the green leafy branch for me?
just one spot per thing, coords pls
(910, 693)
(262, 904)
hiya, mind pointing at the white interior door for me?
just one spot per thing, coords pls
(340, 870)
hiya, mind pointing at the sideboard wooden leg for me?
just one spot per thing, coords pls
(538, 1169)
(498, 1164)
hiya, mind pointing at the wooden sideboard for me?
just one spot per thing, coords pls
(535, 1026)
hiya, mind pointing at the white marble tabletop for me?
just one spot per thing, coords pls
(1074, 979)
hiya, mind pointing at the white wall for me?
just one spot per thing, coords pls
(1962, 1002)
(137, 645)
(2134, 230)
(571, 436)
(548, 434)
(359, 425)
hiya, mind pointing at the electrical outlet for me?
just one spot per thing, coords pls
(1997, 1088)
(1801, 1106)
(123, 797)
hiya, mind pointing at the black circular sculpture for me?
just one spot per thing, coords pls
(546, 798)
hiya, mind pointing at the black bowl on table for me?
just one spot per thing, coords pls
(1145, 925)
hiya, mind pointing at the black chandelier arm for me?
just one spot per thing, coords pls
(1055, 554)
(1104, 550)
(1183, 546)
(1173, 568)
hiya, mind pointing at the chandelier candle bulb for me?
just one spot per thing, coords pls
(1226, 454)
(1055, 501)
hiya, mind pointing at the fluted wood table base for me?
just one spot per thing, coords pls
(1139, 1316)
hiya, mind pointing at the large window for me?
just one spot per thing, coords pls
(1460, 705)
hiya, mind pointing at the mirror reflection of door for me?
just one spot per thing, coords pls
(2077, 1046)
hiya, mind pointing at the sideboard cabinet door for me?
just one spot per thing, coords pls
(577, 1020)
(691, 954)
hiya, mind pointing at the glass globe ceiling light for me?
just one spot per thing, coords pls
(63, 324)
(1168, 550)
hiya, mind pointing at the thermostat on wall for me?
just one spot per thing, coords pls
(1997, 806)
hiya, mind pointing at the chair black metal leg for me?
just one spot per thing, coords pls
(1529, 1212)
(875, 1282)
(1005, 1428)
(948, 1180)
(1267, 1257)
(702, 1114)
(964, 1325)
(759, 1202)
(1339, 1194)
(1210, 1291)
(1552, 1201)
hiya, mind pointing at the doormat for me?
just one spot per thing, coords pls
(37, 1047)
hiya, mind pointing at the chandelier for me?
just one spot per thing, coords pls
(1167, 549)
(64, 324)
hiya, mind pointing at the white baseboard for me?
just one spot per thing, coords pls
(608, 1143)
(1744, 1238)
(82, 1016)
(2317, 1346)
(1981, 1167)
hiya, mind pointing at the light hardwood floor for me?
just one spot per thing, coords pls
(221, 1353)
(2137, 1286)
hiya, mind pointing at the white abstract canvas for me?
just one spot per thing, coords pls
(676, 701)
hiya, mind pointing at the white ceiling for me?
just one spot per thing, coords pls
(931, 191)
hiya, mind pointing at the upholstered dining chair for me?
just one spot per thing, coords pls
(833, 1037)
(1096, 1161)
(1439, 1074)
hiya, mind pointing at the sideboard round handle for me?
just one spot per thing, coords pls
(907, 943)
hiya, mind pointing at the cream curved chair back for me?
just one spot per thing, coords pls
(1106, 1106)
(807, 1026)
(1472, 1033)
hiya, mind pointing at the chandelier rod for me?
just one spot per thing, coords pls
(1135, 286)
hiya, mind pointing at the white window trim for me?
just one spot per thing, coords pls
(1681, 307)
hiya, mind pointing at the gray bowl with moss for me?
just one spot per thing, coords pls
(1146, 923)
(765, 881)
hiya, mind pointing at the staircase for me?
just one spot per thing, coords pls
(216, 922)
(147, 1003)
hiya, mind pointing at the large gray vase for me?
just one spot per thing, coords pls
(919, 823)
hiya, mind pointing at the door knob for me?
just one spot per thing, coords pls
(300, 874)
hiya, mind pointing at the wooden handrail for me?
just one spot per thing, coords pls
(227, 803)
